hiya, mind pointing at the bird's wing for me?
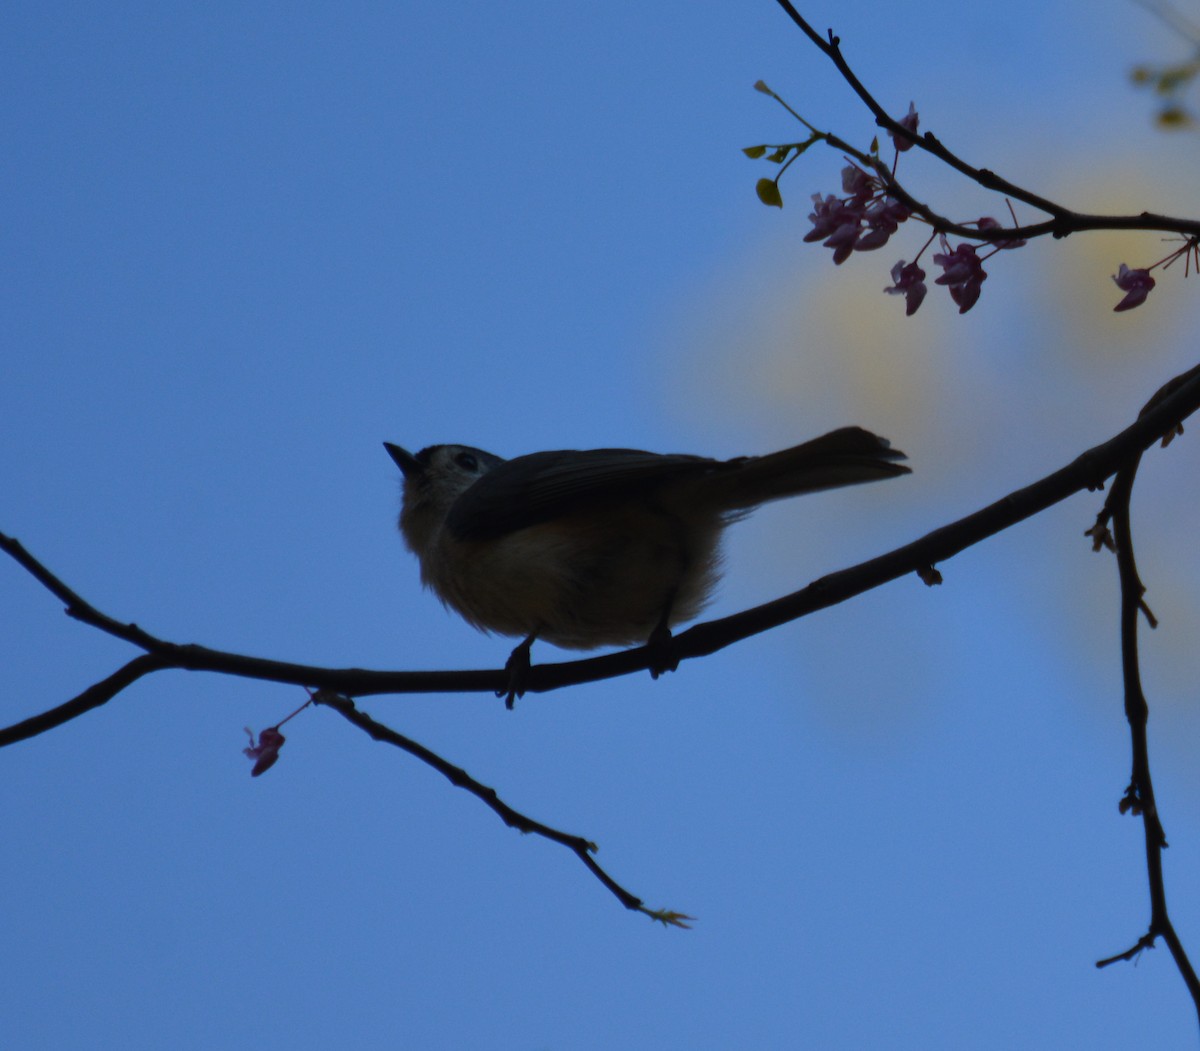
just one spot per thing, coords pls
(543, 486)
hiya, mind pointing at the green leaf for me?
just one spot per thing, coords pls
(768, 192)
(754, 152)
(780, 155)
(1173, 117)
(1173, 78)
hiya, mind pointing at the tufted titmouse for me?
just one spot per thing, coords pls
(608, 547)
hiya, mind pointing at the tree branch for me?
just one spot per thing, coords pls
(1161, 419)
(1176, 401)
(456, 775)
(94, 696)
(1139, 796)
(1063, 220)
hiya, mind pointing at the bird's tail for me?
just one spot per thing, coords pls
(843, 457)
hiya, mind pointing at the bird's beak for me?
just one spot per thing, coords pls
(404, 460)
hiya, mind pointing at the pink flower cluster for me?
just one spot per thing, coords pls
(861, 221)
(871, 208)
(962, 270)
(867, 214)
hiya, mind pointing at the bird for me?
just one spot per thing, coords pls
(599, 547)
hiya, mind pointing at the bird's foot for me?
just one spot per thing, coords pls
(661, 650)
(517, 667)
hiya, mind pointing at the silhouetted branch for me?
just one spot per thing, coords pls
(94, 696)
(1162, 418)
(1139, 795)
(1063, 220)
(1178, 400)
(456, 775)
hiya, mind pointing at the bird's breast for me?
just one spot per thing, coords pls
(592, 579)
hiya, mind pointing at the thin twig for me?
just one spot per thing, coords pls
(456, 775)
(94, 696)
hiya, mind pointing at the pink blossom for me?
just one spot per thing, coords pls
(1136, 285)
(909, 122)
(829, 215)
(883, 216)
(874, 238)
(962, 274)
(988, 223)
(909, 281)
(858, 183)
(266, 752)
(836, 223)
(887, 209)
(844, 240)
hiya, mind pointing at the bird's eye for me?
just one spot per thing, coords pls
(467, 462)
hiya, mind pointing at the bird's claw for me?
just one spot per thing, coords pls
(661, 651)
(517, 667)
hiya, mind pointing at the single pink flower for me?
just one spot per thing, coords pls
(829, 215)
(844, 240)
(1136, 285)
(988, 223)
(909, 281)
(266, 752)
(962, 274)
(883, 217)
(874, 238)
(909, 122)
(857, 183)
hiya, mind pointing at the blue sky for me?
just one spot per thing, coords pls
(245, 244)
